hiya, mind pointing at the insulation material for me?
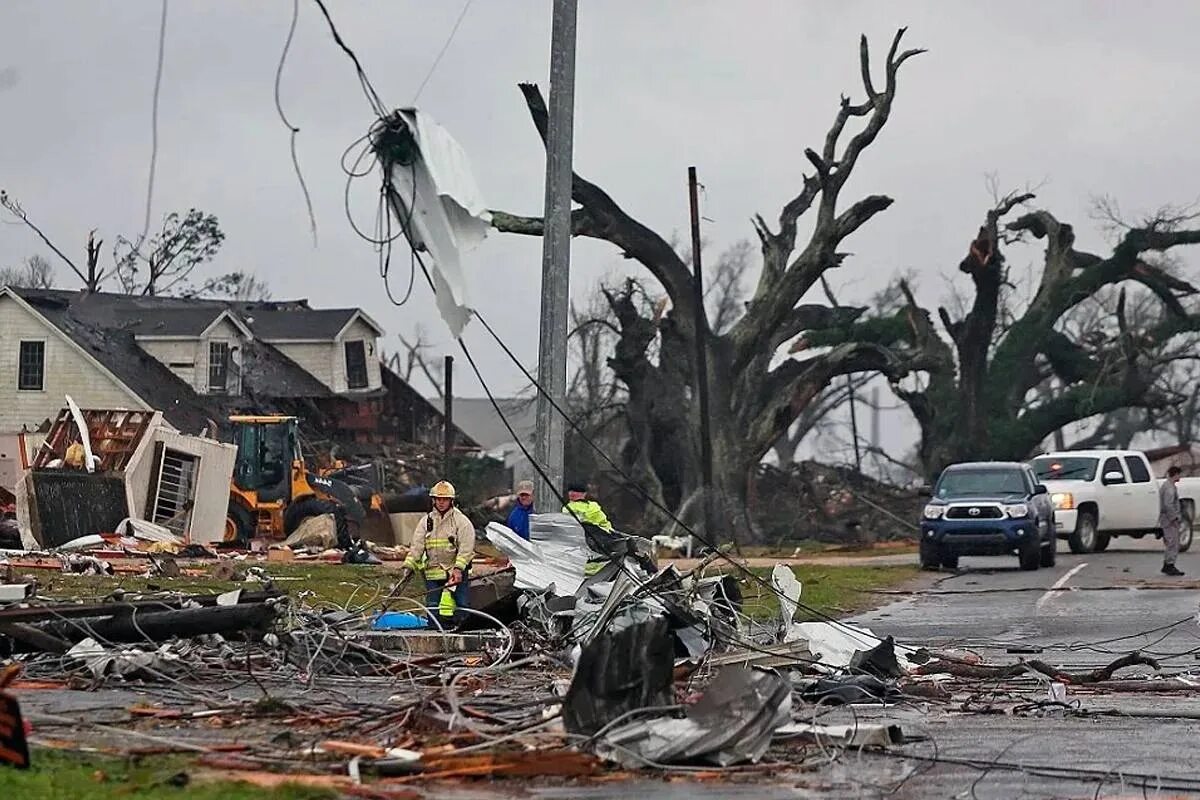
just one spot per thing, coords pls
(443, 211)
(732, 723)
(788, 585)
(836, 644)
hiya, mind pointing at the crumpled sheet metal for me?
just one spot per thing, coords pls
(732, 723)
(630, 667)
(555, 554)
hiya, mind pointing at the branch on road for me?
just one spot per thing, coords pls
(1001, 672)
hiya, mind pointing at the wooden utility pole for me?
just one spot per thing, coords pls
(706, 458)
(556, 249)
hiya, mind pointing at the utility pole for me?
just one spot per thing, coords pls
(448, 418)
(854, 424)
(706, 458)
(556, 249)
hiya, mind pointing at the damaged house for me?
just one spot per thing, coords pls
(199, 361)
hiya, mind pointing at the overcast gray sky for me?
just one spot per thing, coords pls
(1085, 97)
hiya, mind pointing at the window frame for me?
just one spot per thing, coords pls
(366, 371)
(210, 387)
(1104, 470)
(41, 378)
(1130, 461)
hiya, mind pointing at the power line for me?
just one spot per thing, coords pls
(442, 52)
(162, 41)
(312, 218)
(368, 89)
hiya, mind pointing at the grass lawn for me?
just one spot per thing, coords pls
(832, 590)
(58, 775)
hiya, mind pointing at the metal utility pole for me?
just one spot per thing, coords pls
(706, 458)
(448, 418)
(556, 248)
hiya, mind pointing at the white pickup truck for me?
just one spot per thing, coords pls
(1099, 494)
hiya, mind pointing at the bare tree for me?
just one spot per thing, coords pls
(35, 273)
(239, 286)
(753, 403)
(1001, 386)
(93, 277)
(165, 262)
(412, 358)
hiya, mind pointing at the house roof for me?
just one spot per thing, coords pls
(478, 418)
(288, 325)
(104, 327)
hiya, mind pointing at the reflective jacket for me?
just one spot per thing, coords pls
(440, 543)
(588, 511)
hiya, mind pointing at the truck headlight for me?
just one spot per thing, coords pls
(1017, 511)
(933, 512)
(1063, 500)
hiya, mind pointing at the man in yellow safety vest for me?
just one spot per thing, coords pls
(583, 509)
(442, 548)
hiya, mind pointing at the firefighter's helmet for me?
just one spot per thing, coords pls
(442, 489)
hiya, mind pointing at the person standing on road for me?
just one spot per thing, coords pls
(1170, 519)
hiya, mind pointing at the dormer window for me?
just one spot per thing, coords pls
(356, 365)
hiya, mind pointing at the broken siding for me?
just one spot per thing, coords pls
(182, 358)
(358, 331)
(317, 359)
(66, 371)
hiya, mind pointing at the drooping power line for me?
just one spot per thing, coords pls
(162, 41)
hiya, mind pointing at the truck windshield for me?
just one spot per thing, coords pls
(1071, 468)
(977, 482)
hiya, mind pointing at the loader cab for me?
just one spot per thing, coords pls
(268, 450)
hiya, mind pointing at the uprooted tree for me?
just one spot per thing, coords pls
(753, 403)
(1014, 373)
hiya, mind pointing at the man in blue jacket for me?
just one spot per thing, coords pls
(518, 518)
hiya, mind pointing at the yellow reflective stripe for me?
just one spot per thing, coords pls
(435, 573)
(411, 562)
(462, 563)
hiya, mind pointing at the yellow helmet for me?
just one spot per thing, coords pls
(442, 489)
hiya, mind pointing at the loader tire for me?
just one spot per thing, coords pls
(239, 525)
(297, 512)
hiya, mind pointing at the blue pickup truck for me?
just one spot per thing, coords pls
(988, 508)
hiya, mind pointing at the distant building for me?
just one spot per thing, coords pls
(1184, 456)
(198, 361)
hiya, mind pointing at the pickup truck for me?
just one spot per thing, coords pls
(988, 508)
(1099, 494)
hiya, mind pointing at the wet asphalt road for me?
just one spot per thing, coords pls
(1083, 613)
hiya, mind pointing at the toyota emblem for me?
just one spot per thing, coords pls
(974, 512)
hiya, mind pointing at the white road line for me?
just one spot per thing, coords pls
(1058, 584)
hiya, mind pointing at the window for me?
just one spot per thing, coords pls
(219, 367)
(1070, 468)
(31, 368)
(176, 490)
(975, 482)
(1113, 465)
(356, 365)
(1137, 469)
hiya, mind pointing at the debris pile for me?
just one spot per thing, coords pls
(583, 660)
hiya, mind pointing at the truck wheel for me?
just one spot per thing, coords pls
(1102, 542)
(1083, 538)
(950, 562)
(1049, 552)
(1189, 522)
(931, 557)
(1030, 556)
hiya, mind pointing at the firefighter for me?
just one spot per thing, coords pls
(442, 548)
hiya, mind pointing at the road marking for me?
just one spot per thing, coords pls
(1058, 584)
